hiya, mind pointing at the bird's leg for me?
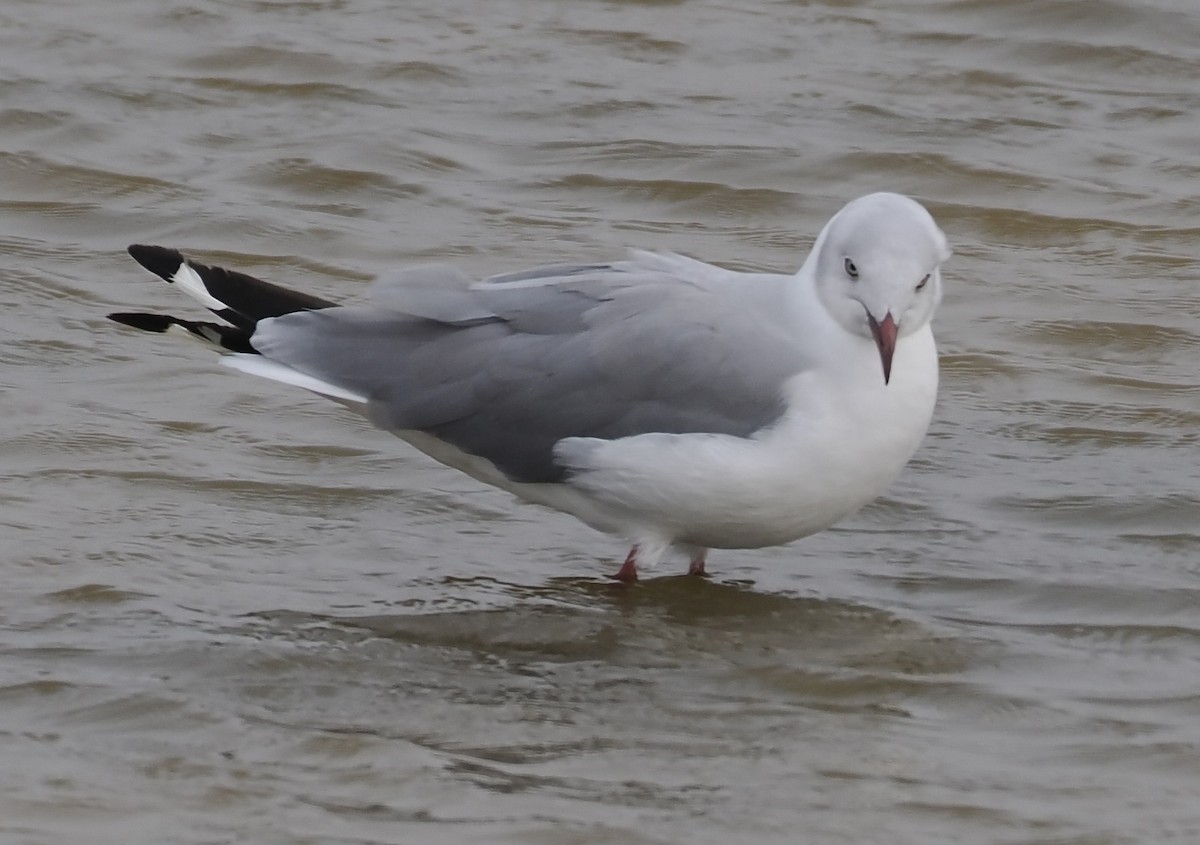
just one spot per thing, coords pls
(628, 571)
(696, 557)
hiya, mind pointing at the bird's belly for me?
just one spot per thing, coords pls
(813, 468)
(788, 494)
(781, 503)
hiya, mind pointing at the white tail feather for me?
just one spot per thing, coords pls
(256, 365)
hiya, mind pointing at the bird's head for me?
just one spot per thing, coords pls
(876, 268)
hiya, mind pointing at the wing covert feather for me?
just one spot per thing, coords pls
(506, 368)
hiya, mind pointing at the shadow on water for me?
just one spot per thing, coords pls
(663, 622)
(574, 688)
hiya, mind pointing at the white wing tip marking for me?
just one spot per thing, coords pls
(190, 283)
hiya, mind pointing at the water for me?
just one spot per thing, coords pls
(232, 613)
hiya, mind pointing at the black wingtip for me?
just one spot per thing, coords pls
(241, 299)
(158, 260)
(146, 322)
(231, 338)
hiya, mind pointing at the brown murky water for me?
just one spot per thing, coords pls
(233, 613)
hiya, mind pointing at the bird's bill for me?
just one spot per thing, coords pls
(885, 338)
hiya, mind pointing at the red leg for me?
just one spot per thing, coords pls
(696, 567)
(628, 571)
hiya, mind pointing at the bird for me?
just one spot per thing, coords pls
(671, 402)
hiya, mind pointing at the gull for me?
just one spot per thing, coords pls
(671, 402)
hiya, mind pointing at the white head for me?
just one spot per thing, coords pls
(876, 269)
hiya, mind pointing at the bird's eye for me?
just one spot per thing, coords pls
(851, 270)
(924, 282)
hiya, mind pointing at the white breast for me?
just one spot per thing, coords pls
(840, 445)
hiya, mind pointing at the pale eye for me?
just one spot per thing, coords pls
(851, 270)
(924, 282)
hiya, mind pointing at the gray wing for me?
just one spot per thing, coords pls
(506, 368)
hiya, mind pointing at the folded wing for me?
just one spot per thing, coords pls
(505, 368)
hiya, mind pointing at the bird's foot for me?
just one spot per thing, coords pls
(696, 567)
(627, 574)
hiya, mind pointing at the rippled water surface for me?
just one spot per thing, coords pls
(233, 613)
